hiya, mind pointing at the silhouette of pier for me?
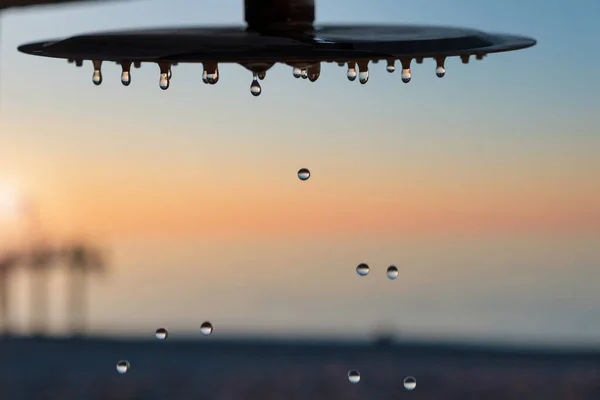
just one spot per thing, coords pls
(77, 258)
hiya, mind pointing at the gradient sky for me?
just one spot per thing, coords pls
(482, 186)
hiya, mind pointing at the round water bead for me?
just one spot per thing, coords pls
(206, 328)
(354, 376)
(303, 174)
(362, 269)
(162, 333)
(123, 366)
(392, 272)
(410, 383)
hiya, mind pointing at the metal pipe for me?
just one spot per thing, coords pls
(277, 15)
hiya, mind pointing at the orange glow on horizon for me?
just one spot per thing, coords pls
(302, 211)
(139, 191)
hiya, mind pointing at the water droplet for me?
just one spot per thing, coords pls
(440, 71)
(123, 366)
(97, 78)
(255, 88)
(206, 328)
(262, 75)
(410, 383)
(406, 75)
(392, 272)
(351, 74)
(304, 73)
(125, 78)
(297, 73)
(164, 81)
(480, 57)
(313, 76)
(341, 64)
(78, 63)
(303, 174)
(137, 64)
(354, 376)
(363, 269)
(363, 77)
(70, 61)
(375, 61)
(390, 66)
(420, 60)
(205, 76)
(465, 59)
(213, 78)
(162, 333)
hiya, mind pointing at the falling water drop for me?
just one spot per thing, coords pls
(440, 71)
(303, 174)
(297, 73)
(164, 81)
(262, 75)
(304, 73)
(162, 333)
(392, 272)
(410, 383)
(363, 77)
(206, 328)
(406, 75)
(351, 74)
(255, 88)
(362, 269)
(354, 376)
(123, 366)
(97, 78)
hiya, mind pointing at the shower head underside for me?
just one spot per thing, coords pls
(278, 31)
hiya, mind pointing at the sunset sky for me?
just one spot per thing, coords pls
(482, 187)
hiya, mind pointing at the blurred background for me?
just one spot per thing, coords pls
(127, 209)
